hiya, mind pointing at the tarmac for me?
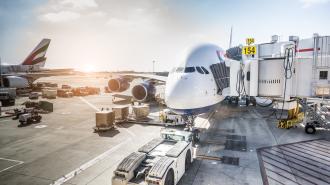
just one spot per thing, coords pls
(64, 149)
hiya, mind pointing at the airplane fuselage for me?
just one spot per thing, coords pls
(5, 69)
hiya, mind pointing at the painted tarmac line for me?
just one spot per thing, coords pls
(5, 120)
(11, 160)
(89, 104)
(128, 131)
(97, 109)
(88, 164)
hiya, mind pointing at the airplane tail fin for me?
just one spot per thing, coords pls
(37, 56)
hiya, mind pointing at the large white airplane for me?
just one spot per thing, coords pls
(193, 87)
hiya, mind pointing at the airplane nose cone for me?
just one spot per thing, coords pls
(174, 92)
(180, 93)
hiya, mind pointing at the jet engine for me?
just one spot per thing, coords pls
(15, 82)
(118, 84)
(144, 91)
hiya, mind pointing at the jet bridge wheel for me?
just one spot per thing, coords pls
(169, 180)
(188, 160)
(310, 129)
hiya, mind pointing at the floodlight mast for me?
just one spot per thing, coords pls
(1, 81)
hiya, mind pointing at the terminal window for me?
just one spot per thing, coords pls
(323, 75)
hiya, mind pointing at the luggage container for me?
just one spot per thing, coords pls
(49, 93)
(121, 113)
(141, 111)
(104, 120)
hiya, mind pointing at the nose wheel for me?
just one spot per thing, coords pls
(189, 120)
(190, 123)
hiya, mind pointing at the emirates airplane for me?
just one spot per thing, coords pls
(24, 74)
(33, 61)
(193, 87)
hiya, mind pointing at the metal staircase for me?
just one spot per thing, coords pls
(314, 118)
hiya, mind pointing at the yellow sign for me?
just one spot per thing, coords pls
(249, 50)
(249, 41)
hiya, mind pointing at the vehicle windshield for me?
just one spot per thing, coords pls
(173, 137)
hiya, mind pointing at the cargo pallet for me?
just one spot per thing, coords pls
(102, 129)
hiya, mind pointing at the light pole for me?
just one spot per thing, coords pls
(1, 81)
(153, 66)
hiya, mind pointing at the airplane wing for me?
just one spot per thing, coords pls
(160, 80)
(36, 75)
(122, 96)
(157, 80)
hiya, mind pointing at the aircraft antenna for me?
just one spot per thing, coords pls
(231, 36)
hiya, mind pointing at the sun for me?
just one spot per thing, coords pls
(87, 68)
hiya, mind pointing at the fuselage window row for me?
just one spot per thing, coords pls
(201, 70)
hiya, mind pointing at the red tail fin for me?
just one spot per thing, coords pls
(37, 56)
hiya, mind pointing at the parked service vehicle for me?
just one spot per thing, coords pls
(162, 161)
(18, 112)
(170, 118)
(7, 96)
(28, 118)
(33, 96)
(49, 93)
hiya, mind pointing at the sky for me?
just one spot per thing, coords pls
(112, 35)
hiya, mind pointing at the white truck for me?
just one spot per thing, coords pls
(162, 161)
(7, 96)
(170, 118)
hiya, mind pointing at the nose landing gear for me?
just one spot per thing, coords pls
(190, 121)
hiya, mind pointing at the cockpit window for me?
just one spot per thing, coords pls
(173, 70)
(205, 71)
(189, 69)
(179, 69)
(199, 70)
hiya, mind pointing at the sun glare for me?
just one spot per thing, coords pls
(87, 68)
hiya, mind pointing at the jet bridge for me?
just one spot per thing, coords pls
(285, 71)
(294, 68)
(224, 74)
(221, 75)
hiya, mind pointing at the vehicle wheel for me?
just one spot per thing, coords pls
(196, 135)
(247, 102)
(38, 119)
(188, 160)
(169, 180)
(310, 129)
(5, 103)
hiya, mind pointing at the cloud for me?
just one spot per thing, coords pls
(116, 22)
(62, 16)
(309, 3)
(80, 4)
(98, 14)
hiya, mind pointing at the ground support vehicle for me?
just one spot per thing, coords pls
(29, 118)
(7, 96)
(315, 117)
(171, 119)
(162, 161)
